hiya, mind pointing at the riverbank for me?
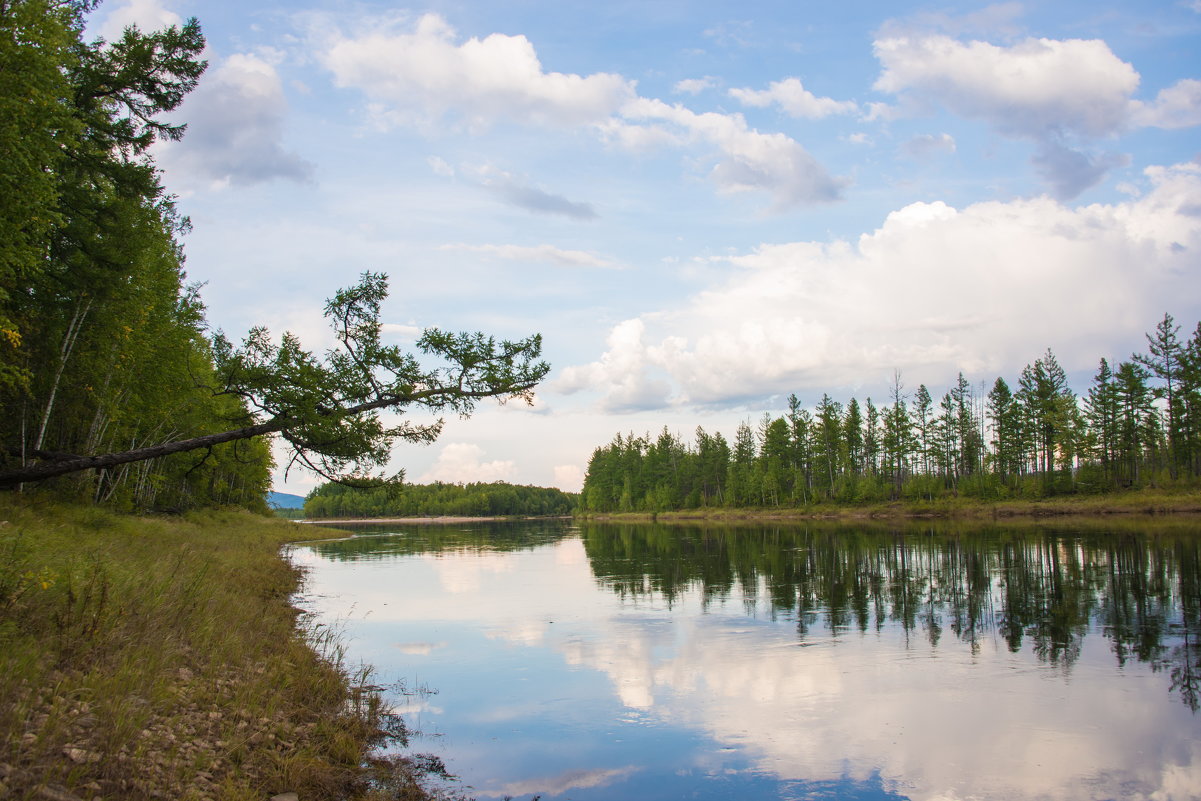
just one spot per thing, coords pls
(1130, 504)
(420, 521)
(160, 657)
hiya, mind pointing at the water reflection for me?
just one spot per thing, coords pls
(378, 541)
(777, 662)
(1047, 586)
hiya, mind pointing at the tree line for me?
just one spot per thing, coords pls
(1138, 424)
(497, 498)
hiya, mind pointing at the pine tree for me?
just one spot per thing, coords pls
(1164, 362)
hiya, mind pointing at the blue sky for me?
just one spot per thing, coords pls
(702, 206)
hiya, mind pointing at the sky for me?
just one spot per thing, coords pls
(702, 206)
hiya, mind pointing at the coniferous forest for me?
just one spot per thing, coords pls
(103, 342)
(1138, 425)
(478, 499)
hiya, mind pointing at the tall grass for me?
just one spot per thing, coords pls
(147, 658)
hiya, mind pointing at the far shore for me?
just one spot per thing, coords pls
(420, 521)
(1179, 503)
(1146, 503)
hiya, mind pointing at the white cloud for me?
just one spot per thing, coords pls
(568, 477)
(1178, 106)
(880, 112)
(460, 462)
(927, 145)
(427, 72)
(790, 95)
(424, 75)
(1051, 92)
(148, 15)
(409, 333)
(694, 86)
(749, 160)
(440, 166)
(1031, 89)
(622, 371)
(985, 289)
(235, 127)
(541, 253)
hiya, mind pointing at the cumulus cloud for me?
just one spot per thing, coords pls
(427, 72)
(1051, 92)
(1178, 106)
(422, 74)
(537, 253)
(748, 159)
(147, 15)
(623, 372)
(461, 462)
(986, 289)
(1029, 89)
(569, 477)
(791, 95)
(235, 127)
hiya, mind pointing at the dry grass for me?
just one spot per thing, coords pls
(145, 658)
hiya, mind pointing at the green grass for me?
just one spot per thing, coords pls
(160, 658)
(1182, 501)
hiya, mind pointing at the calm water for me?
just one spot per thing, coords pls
(654, 662)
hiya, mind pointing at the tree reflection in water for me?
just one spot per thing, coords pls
(1043, 586)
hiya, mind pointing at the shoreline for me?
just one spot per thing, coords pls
(420, 521)
(162, 656)
(1143, 503)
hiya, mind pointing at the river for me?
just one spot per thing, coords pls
(600, 661)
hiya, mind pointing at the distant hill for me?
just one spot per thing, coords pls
(284, 500)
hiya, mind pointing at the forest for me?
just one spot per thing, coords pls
(1138, 425)
(495, 499)
(103, 342)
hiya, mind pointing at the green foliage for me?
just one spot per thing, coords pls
(102, 345)
(389, 499)
(328, 409)
(1038, 442)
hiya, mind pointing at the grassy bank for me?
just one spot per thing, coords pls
(1140, 502)
(150, 658)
